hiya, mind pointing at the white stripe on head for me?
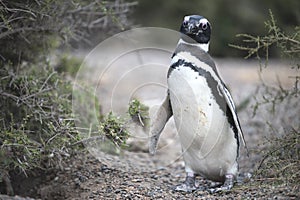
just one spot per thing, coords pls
(187, 18)
(203, 21)
(204, 47)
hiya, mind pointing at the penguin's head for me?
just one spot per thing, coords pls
(197, 28)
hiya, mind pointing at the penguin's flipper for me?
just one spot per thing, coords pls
(163, 114)
(231, 106)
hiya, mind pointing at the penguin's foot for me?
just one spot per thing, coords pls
(228, 184)
(188, 185)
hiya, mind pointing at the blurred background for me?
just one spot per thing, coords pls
(228, 18)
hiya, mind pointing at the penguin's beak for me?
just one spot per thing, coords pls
(193, 29)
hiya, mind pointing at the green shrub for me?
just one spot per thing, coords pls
(139, 113)
(37, 127)
(114, 128)
(108, 134)
(36, 124)
(68, 64)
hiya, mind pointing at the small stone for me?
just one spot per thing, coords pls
(95, 192)
(154, 177)
(137, 180)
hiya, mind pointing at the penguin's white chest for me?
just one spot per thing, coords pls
(193, 105)
(208, 143)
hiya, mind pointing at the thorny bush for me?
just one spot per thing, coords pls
(281, 149)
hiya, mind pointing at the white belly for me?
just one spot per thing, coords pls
(208, 143)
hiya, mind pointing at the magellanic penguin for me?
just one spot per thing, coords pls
(203, 110)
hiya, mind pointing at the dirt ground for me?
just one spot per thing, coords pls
(134, 174)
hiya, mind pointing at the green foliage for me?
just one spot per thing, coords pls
(139, 112)
(37, 127)
(114, 128)
(26, 151)
(87, 110)
(106, 132)
(68, 64)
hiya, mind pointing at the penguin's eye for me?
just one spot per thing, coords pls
(185, 23)
(203, 26)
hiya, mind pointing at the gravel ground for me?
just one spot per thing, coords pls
(87, 178)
